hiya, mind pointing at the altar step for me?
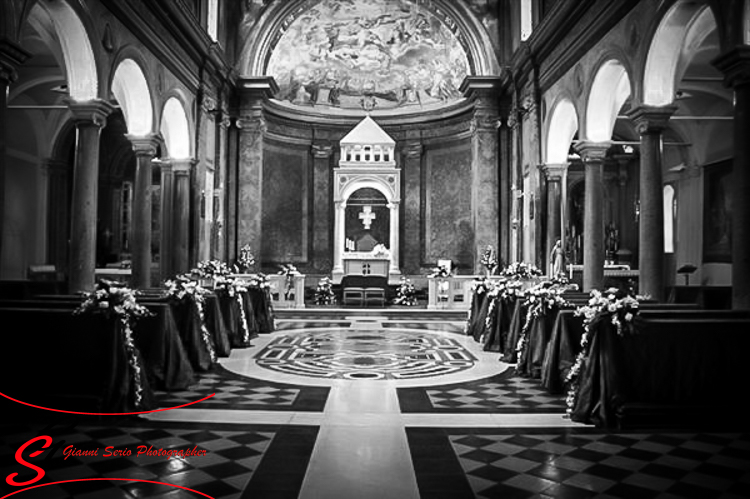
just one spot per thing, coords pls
(411, 314)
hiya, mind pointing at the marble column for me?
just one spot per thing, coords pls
(650, 121)
(412, 240)
(58, 221)
(484, 91)
(322, 251)
(89, 117)
(338, 238)
(166, 204)
(735, 65)
(395, 269)
(11, 56)
(181, 170)
(252, 124)
(555, 176)
(145, 150)
(592, 155)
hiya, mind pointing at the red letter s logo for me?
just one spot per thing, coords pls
(21, 461)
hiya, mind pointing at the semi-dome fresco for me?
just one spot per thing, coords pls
(368, 54)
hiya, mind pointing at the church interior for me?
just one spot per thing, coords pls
(363, 249)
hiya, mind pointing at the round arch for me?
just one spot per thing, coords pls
(679, 33)
(77, 50)
(355, 183)
(561, 128)
(274, 20)
(130, 88)
(175, 129)
(609, 91)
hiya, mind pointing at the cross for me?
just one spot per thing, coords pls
(367, 216)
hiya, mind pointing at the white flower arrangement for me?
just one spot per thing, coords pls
(324, 294)
(614, 305)
(208, 269)
(406, 294)
(115, 299)
(184, 287)
(521, 270)
(538, 300)
(381, 251)
(246, 259)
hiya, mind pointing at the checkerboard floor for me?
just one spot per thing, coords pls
(233, 454)
(579, 463)
(503, 393)
(235, 392)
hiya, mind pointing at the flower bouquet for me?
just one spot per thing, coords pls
(489, 260)
(381, 251)
(115, 299)
(183, 288)
(324, 292)
(521, 270)
(613, 305)
(537, 301)
(406, 294)
(245, 261)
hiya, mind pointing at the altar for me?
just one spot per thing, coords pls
(365, 264)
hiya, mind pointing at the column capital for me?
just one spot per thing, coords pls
(651, 119)
(321, 150)
(182, 166)
(735, 65)
(93, 111)
(144, 145)
(251, 124)
(413, 149)
(592, 152)
(554, 171)
(11, 56)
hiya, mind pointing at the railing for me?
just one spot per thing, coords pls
(294, 298)
(453, 292)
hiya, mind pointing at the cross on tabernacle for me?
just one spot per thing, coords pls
(367, 216)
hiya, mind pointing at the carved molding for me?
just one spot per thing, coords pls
(735, 65)
(88, 113)
(592, 152)
(651, 119)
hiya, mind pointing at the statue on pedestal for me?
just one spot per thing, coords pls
(556, 259)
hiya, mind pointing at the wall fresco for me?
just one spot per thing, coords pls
(371, 54)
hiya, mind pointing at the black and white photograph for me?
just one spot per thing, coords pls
(374, 249)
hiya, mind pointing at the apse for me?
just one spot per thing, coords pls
(371, 54)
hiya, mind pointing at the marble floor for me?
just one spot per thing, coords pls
(372, 404)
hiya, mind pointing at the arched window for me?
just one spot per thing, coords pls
(670, 215)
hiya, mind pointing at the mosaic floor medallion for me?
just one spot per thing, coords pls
(377, 354)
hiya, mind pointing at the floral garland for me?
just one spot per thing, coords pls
(489, 259)
(521, 270)
(505, 290)
(406, 294)
(620, 309)
(182, 287)
(324, 292)
(538, 300)
(115, 299)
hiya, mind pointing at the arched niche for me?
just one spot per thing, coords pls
(351, 186)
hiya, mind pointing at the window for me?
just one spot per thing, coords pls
(670, 215)
(212, 22)
(527, 15)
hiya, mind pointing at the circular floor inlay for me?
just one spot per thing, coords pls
(345, 354)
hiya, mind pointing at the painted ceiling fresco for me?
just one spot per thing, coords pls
(368, 54)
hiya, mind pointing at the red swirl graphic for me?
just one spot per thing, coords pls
(105, 413)
(97, 479)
